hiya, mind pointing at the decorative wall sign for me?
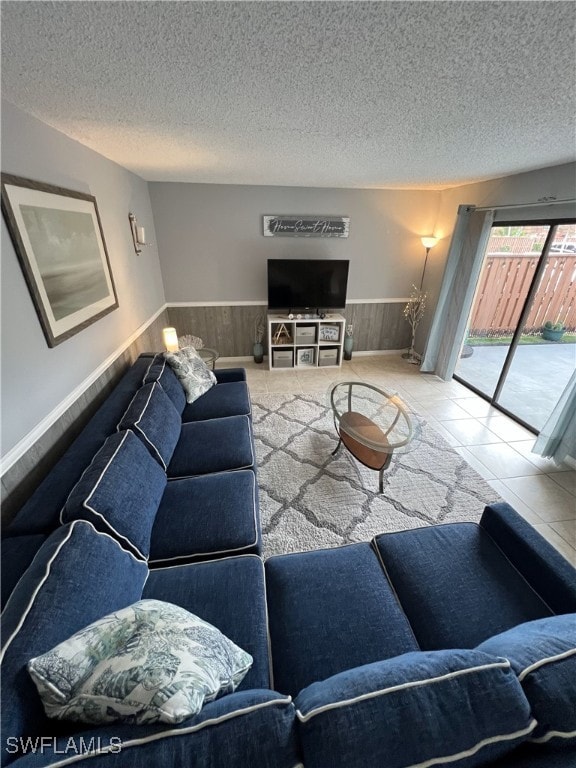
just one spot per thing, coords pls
(59, 242)
(306, 226)
(329, 333)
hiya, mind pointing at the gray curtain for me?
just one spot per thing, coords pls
(557, 440)
(463, 266)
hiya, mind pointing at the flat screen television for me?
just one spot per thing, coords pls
(307, 284)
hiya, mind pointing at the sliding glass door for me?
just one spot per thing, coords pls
(520, 349)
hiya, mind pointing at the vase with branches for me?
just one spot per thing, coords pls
(348, 341)
(259, 330)
(413, 312)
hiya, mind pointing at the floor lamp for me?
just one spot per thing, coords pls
(414, 309)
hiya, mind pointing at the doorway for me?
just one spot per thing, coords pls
(520, 347)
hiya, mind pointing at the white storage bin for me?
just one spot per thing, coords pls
(328, 357)
(305, 334)
(282, 358)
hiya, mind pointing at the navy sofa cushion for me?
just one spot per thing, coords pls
(41, 513)
(155, 420)
(207, 516)
(228, 593)
(77, 576)
(455, 585)
(226, 375)
(249, 729)
(215, 445)
(455, 707)
(534, 557)
(543, 655)
(231, 399)
(17, 554)
(120, 492)
(331, 610)
(159, 371)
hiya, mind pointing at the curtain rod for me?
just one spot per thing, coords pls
(545, 201)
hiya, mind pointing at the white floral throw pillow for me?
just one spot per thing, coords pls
(150, 662)
(193, 373)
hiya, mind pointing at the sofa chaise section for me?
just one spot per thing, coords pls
(80, 575)
(436, 620)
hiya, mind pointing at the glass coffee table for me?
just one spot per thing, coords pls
(370, 423)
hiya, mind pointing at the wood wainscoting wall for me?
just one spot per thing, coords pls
(230, 329)
(25, 475)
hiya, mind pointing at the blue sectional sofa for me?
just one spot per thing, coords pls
(451, 645)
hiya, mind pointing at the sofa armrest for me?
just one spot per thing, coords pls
(248, 728)
(543, 567)
(225, 375)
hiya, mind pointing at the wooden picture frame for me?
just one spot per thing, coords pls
(60, 245)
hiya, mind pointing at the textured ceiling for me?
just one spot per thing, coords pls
(338, 94)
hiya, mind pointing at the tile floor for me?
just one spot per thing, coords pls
(497, 447)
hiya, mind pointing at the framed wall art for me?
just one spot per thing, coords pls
(59, 242)
(305, 357)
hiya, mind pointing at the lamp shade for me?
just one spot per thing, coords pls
(429, 242)
(170, 338)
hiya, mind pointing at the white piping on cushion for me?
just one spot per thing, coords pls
(476, 748)
(154, 359)
(221, 551)
(41, 582)
(504, 664)
(547, 660)
(553, 735)
(203, 562)
(86, 505)
(33, 596)
(175, 731)
(139, 419)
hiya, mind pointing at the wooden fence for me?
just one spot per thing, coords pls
(504, 284)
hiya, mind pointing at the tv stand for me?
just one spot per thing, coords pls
(305, 340)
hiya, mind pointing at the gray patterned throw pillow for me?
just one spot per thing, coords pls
(150, 662)
(192, 372)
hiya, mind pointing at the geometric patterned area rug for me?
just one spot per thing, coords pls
(310, 499)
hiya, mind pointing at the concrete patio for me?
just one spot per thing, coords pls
(537, 377)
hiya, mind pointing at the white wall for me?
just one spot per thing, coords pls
(36, 378)
(212, 246)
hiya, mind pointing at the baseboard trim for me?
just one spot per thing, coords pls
(364, 353)
(24, 445)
